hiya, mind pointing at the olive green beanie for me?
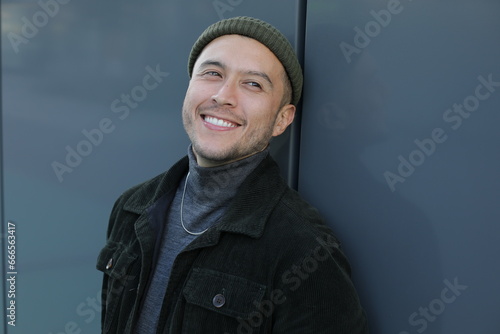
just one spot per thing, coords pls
(261, 31)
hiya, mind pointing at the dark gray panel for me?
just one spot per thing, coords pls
(92, 93)
(408, 180)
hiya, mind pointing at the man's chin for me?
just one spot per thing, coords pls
(213, 157)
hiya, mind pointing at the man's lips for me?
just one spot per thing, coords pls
(219, 123)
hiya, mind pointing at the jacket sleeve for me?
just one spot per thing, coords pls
(104, 289)
(316, 294)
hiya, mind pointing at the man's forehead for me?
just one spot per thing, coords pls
(228, 49)
(234, 39)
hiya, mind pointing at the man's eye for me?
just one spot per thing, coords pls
(212, 73)
(254, 84)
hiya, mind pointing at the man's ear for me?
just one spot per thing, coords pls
(284, 119)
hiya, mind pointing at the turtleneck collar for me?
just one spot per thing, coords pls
(216, 186)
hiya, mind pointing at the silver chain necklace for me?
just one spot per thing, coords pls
(182, 205)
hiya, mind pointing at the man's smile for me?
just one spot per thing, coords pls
(215, 123)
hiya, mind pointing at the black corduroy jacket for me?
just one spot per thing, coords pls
(270, 265)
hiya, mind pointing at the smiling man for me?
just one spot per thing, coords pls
(238, 98)
(219, 243)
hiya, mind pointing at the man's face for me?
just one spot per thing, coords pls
(233, 103)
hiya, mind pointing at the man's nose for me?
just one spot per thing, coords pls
(227, 94)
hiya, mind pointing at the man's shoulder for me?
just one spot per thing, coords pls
(297, 230)
(298, 210)
(298, 206)
(302, 221)
(291, 216)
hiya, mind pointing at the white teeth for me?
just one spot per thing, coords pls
(219, 122)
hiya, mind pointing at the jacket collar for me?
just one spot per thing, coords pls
(249, 210)
(149, 192)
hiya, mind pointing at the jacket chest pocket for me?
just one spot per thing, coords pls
(219, 303)
(116, 263)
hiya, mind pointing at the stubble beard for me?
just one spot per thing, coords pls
(253, 142)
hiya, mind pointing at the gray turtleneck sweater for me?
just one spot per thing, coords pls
(202, 198)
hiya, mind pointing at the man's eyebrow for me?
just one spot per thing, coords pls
(210, 62)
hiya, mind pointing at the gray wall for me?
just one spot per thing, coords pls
(410, 186)
(67, 70)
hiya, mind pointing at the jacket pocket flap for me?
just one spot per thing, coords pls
(240, 297)
(114, 260)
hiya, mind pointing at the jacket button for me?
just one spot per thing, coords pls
(109, 264)
(219, 300)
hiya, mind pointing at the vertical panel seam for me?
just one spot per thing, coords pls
(295, 133)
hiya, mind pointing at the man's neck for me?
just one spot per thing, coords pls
(202, 162)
